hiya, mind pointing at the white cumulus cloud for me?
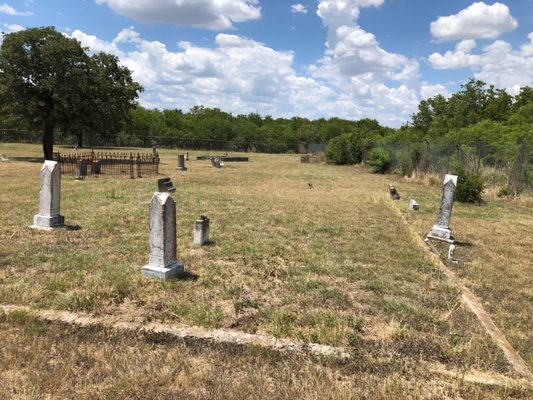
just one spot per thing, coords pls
(428, 90)
(478, 21)
(7, 9)
(241, 75)
(298, 8)
(211, 14)
(371, 80)
(498, 63)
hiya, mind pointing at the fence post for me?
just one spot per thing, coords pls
(132, 173)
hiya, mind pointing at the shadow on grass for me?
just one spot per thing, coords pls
(72, 227)
(188, 276)
(463, 244)
(29, 159)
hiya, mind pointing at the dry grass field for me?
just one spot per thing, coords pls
(334, 265)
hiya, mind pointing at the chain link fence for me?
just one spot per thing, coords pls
(132, 141)
(507, 165)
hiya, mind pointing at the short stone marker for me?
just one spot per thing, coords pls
(49, 198)
(413, 205)
(215, 162)
(393, 193)
(165, 185)
(181, 163)
(441, 230)
(201, 230)
(162, 263)
(3, 158)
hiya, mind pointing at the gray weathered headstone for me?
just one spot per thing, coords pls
(215, 161)
(393, 193)
(413, 205)
(162, 263)
(201, 230)
(441, 230)
(181, 163)
(3, 158)
(165, 185)
(49, 198)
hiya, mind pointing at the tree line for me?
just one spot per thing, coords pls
(50, 83)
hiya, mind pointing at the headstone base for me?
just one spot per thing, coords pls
(47, 223)
(441, 233)
(181, 168)
(171, 271)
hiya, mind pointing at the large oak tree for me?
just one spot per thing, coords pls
(52, 82)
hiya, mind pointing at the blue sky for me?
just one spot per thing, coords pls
(313, 58)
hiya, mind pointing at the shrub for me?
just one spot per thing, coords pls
(339, 151)
(470, 186)
(350, 148)
(504, 191)
(379, 160)
(405, 164)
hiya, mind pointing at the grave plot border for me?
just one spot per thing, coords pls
(133, 165)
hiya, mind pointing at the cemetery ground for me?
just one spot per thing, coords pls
(335, 265)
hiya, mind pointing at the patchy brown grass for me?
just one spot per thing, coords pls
(494, 250)
(333, 265)
(38, 360)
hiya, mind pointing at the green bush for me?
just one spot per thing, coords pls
(339, 151)
(379, 160)
(350, 148)
(470, 187)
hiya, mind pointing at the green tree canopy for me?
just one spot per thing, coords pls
(51, 82)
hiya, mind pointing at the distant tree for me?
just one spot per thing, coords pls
(49, 80)
(524, 97)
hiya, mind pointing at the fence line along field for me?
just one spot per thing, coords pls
(313, 253)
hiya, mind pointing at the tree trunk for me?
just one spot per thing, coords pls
(80, 140)
(48, 140)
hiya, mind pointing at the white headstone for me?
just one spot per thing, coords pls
(201, 230)
(441, 230)
(49, 198)
(413, 205)
(162, 263)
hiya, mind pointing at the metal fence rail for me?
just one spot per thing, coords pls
(104, 163)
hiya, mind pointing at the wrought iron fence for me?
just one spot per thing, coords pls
(103, 163)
